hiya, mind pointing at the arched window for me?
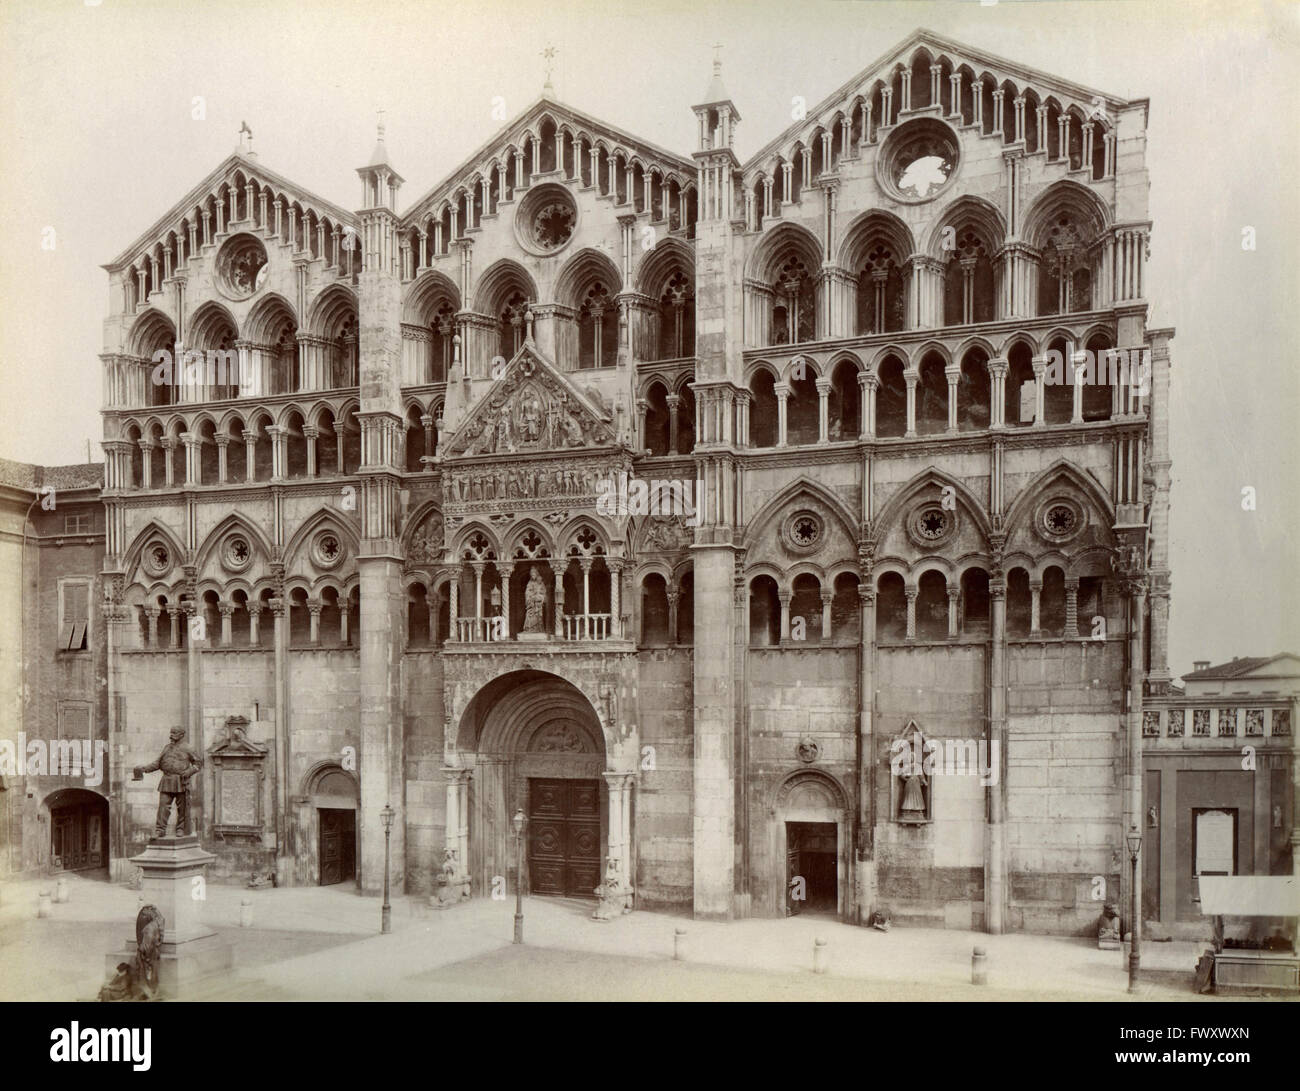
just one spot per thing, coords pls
(677, 318)
(932, 397)
(597, 329)
(442, 328)
(974, 392)
(975, 602)
(657, 420)
(882, 296)
(794, 313)
(1058, 384)
(764, 612)
(932, 606)
(845, 405)
(1051, 615)
(1018, 603)
(654, 611)
(806, 608)
(1065, 269)
(1021, 389)
(891, 399)
(891, 608)
(510, 326)
(686, 610)
(802, 410)
(684, 443)
(763, 422)
(968, 294)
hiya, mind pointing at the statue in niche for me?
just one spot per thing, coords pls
(505, 438)
(535, 603)
(910, 754)
(530, 418)
(572, 432)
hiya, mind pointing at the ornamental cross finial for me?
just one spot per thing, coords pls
(717, 56)
(380, 115)
(548, 55)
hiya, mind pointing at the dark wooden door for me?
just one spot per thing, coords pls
(338, 846)
(564, 837)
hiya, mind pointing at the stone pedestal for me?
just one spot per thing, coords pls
(190, 949)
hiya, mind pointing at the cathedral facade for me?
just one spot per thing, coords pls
(758, 537)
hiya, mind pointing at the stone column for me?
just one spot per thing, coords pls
(911, 375)
(642, 408)
(558, 570)
(784, 597)
(998, 366)
(782, 397)
(994, 859)
(227, 609)
(828, 597)
(954, 594)
(1040, 366)
(505, 569)
(314, 607)
(1035, 601)
(1077, 373)
(952, 373)
(615, 599)
(151, 613)
(911, 594)
(453, 609)
(1071, 607)
(823, 409)
(713, 768)
(254, 623)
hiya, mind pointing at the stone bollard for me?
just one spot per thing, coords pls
(979, 967)
(820, 955)
(679, 944)
(61, 890)
(43, 906)
(246, 913)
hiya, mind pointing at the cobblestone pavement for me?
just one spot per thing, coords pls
(323, 943)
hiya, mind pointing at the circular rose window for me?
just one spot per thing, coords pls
(1060, 519)
(157, 559)
(919, 160)
(241, 266)
(803, 530)
(931, 524)
(546, 219)
(236, 553)
(327, 549)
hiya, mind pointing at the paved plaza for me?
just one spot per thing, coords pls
(322, 943)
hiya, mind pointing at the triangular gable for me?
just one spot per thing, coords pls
(959, 53)
(532, 407)
(513, 133)
(251, 167)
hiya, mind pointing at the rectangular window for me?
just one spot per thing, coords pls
(77, 524)
(74, 720)
(1214, 844)
(74, 615)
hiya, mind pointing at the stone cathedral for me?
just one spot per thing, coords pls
(868, 624)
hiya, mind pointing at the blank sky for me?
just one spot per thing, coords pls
(100, 141)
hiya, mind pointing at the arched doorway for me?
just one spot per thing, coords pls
(532, 741)
(810, 836)
(78, 830)
(328, 846)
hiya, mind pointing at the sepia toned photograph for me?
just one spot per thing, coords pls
(669, 502)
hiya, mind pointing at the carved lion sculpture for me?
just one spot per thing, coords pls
(138, 979)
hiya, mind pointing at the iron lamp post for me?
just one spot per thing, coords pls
(1134, 839)
(386, 816)
(518, 823)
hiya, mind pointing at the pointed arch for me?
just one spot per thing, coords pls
(1022, 506)
(583, 267)
(325, 516)
(805, 486)
(425, 294)
(931, 477)
(230, 523)
(151, 530)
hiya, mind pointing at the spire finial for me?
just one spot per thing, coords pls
(380, 126)
(548, 55)
(244, 130)
(717, 58)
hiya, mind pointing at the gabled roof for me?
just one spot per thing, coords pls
(1245, 666)
(237, 160)
(883, 66)
(509, 133)
(25, 475)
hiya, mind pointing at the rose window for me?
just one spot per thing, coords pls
(919, 160)
(241, 266)
(932, 524)
(327, 549)
(236, 553)
(547, 219)
(1060, 519)
(552, 226)
(158, 558)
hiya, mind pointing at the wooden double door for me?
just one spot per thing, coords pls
(564, 837)
(338, 846)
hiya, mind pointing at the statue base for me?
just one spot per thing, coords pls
(532, 636)
(174, 879)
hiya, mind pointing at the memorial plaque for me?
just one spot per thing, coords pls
(239, 797)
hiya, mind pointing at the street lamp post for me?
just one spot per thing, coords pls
(386, 816)
(519, 874)
(1134, 840)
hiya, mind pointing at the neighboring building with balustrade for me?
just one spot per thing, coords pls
(361, 544)
(1219, 768)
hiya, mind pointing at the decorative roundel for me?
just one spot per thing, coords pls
(804, 530)
(919, 160)
(1060, 519)
(157, 559)
(546, 219)
(236, 553)
(327, 549)
(241, 266)
(931, 524)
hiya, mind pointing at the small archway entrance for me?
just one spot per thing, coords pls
(531, 740)
(810, 836)
(78, 830)
(329, 842)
